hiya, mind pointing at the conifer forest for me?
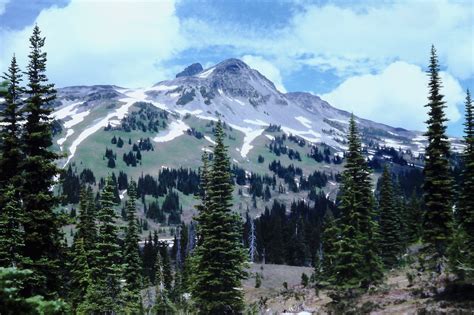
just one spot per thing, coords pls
(217, 192)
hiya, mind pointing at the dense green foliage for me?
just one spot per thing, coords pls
(390, 228)
(220, 257)
(101, 266)
(42, 237)
(132, 263)
(10, 144)
(462, 247)
(438, 183)
(355, 260)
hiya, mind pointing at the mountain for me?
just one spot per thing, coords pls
(240, 96)
(171, 124)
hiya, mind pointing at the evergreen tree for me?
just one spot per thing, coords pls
(349, 258)
(132, 263)
(86, 228)
(80, 273)
(329, 249)
(437, 185)
(42, 236)
(167, 274)
(466, 201)
(104, 295)
(390, 242)
(357, 261)
(203, 206)
(414, 218)
(11, 230)
(10, 146)
(462, 247)
(220, 258)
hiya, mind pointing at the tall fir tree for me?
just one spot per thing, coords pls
(414, 218)
(167, 274)
(390, 230)
(42, 234)
(10, 131)
(329, 248)
(132, 262)
(11, 230)
(203, 206)
(357, 262)
(220, 258)
(462, 247)
(437, 185)
(80, 278)
(105, 294)
(86, 227)
(466, 200)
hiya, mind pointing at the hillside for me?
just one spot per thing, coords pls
(172, 124)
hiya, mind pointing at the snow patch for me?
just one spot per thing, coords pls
(133, 96)
(62, 140)
(122, 194)
(270, 137)
(256, 122)
(206, 73)
(304, 121)
(250, 135)
(209, 139)
(66, 111)
(239, 102)
(207, 117)
(176, 129)
(309, 135)
(338, 120)
(76, 118)
(191, 112)
(163, 88)
(114, 122)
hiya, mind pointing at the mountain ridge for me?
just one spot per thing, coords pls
(231, 91)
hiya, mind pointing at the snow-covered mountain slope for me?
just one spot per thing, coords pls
(232, 91)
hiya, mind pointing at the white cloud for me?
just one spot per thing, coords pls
(356, 39)
(3, 4)
(396, 96)
(91, 42)
(267, 69)
(379, 35)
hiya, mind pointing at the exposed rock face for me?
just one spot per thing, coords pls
(193, 69)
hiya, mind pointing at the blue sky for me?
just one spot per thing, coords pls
(368, 57)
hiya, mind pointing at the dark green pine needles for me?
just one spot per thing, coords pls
(10, 146)
(391, 243)
(104, 294)
(132, 261)
(461, 252)
(42, 236)
(355, 260)
(466, 204)
(437, 186)
(220, 257)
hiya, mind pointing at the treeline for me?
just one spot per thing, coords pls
(366, 238)
(184, 180)
(147, 119)
(291, 173)
(289, 237)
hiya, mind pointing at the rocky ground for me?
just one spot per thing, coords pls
(404, 291)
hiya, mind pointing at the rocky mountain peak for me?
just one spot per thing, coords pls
(232, 66)
(191, 70)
